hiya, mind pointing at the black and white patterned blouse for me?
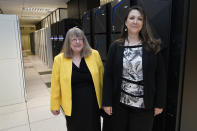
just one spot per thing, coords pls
(132, 89)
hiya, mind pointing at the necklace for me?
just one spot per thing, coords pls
(132, 43)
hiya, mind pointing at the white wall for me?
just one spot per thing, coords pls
(11, 62)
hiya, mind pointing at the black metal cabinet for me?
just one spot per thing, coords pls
(58, 33)
(99, 19)
(100, 44)
(117, 13)
(86, 22)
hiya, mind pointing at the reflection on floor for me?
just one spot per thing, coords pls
(34, 115)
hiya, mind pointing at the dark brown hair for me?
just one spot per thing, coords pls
(145, 34)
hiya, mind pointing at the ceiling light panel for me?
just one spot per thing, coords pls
(31, 17)
(37, 9)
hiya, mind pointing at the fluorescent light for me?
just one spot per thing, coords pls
(31, 17)
(37, 9)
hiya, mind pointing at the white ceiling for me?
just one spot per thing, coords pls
(28, 17)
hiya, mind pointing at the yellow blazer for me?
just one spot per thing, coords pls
(61, 80)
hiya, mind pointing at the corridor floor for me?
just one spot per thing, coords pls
(34, 114)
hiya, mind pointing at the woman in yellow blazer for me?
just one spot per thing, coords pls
(76, 84)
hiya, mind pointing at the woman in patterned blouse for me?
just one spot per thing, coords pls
(134, 87)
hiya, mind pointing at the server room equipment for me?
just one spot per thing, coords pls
(43, 45)
(159, 17)
(174, 63)
(89, 38)
(86, 21)
(58, 33)
(65, 25)
(159, 13)
(118, 12)
(32, 43)
(56, 47)
(114, 37)
(100, 42)
(101, 30)
(100, 19)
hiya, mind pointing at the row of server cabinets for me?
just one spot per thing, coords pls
(102, 25)
(58, 33)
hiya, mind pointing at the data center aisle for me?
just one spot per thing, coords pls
(34, 114)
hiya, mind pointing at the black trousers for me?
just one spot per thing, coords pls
(127, 119)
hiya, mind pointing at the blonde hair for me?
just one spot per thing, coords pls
(68, 52)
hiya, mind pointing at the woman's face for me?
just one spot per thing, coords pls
(134, 22)
(76, 44)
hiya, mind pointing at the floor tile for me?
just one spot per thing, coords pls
(28, 65)
(34, 82)
(37, 94)
(46, 78)
(37, 102)
(39, 88)
(20, 128)
(36, 110)
(39, 113)
(54, 124)
(49, 89)
(13, 119)
(12, 108)
(31, 74)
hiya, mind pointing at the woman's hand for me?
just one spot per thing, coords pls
(158, 111)
(56, 112)
(108, 110)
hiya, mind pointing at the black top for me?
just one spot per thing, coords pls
(85, 109)
(81, 76)
(153, 75)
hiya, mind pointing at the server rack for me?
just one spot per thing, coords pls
(114, 37)
(32, 43)
(66, 24)
(101, 45)
(100, 30)
(175, 54)
(86, 21)
(56, 48)
(58, 33)
(159, 13)
(117, 13)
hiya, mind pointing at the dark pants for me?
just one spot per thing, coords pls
(127, 119)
